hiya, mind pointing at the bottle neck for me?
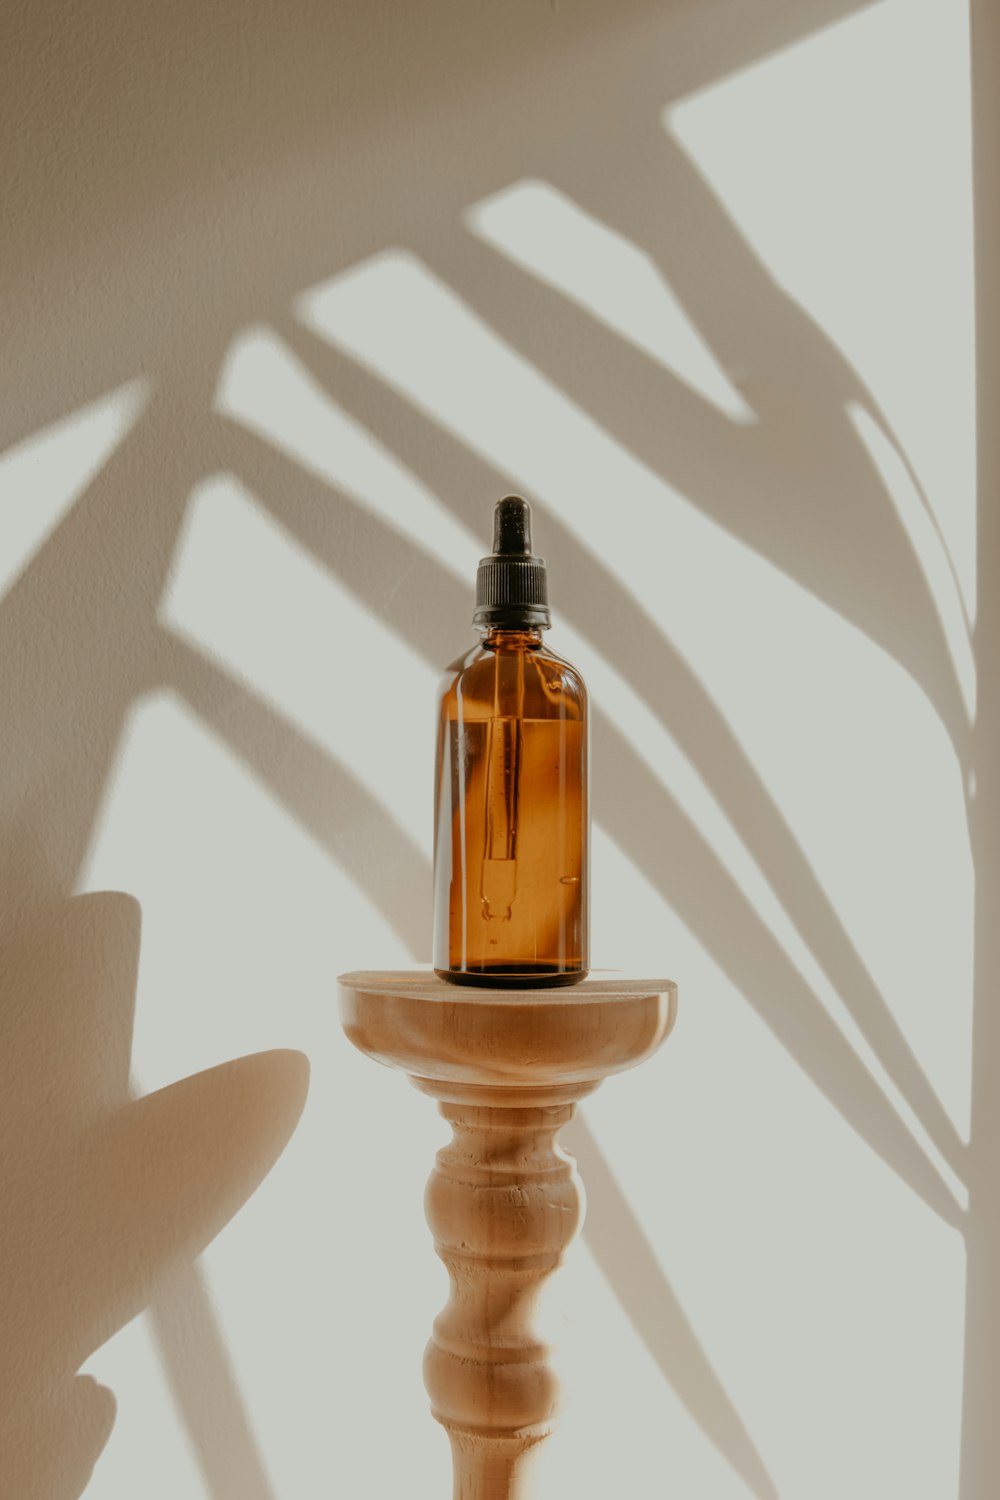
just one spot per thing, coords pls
(504, 637)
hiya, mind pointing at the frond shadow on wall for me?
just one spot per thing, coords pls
(82, 654)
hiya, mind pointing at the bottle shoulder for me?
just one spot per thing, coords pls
(534, 683)
(571, 678)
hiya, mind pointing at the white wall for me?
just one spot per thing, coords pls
(297, 292)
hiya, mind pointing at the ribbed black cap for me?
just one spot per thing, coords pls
(510, 585)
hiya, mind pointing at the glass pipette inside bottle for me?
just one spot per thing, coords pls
(503, 774)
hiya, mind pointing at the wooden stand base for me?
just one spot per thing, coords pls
(503, 1201)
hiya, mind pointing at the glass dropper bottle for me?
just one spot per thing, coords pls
(511, 899)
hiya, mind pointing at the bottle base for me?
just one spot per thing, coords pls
(524, 977)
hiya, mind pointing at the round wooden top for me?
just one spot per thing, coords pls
(426, 984)
(536, 1038)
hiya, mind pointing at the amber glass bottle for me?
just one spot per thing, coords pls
(511, 902)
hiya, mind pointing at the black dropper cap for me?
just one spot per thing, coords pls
(511, 588)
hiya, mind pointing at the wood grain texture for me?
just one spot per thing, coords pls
(413, 1020)
(504, 1200)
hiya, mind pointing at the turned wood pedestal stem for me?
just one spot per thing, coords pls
(504, 1201)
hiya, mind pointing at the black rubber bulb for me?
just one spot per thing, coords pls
(512, 527)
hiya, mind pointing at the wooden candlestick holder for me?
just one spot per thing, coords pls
(503, 1203)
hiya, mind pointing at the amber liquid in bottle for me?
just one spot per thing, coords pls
(512, 817)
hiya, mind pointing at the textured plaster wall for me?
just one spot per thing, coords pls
(291, 293)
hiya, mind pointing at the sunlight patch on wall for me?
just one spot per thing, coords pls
(389, 311)
(305, 642)
(846, 163)
(547, 234)
(266, 388)
(41, 477)
(573, 1463)
(488, 400)
(873, 1279)
(128, 1365)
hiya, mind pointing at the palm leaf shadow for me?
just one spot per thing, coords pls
(78, 786)
(791, 372)
(648, 661)
(654, 831)
(980, 1441)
